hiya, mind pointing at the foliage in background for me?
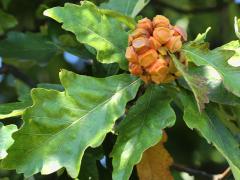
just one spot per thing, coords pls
(96, 120)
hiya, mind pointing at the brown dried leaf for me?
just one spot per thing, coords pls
(155, 163)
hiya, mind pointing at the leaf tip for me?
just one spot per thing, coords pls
(47, 12)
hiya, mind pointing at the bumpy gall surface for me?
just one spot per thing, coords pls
(149, 46)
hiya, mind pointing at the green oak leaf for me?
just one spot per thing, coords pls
(235, 171)
(218, 59)
(197, 84)
(14, 109)
(95, 29)
(229, 117)
(27, 46)
(209, 124)
(128, 21)
(6, 138)
(202, 36)
(237, 26)
(233, 46)
(60, 126)
(141, 129)
(217, 92)
(7, 21)
(129, 8)
(69, 43)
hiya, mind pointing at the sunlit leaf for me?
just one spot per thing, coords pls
(141, 129)
(60, 126)
(6, 139)
(95, 29)
(217, 92)
(199, 53)
(129, 8)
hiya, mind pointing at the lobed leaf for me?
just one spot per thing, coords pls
(197, 84)
(209, 124)
(13, 109)
(141, 129)
(7, 21)
(233, 46)
(129, 8)
(60, 126)
(217, 92)
(6, 139)
(95, 29)
(27, 46)
(218, 59)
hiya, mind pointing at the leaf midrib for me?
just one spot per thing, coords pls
(97, 34)
(206, 62)
(59, 132)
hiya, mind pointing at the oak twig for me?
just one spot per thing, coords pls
(9, 69)
(200, 173)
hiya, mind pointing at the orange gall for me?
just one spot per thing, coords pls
(180, 31)
(131, 55)
(146, 78)
(141, 45)
(160, 66)
(161, 21)
(159, 78)
(162, 34)
(148, 58)
(174, 44)
(146, 24)
(135, 69)
(154, 44)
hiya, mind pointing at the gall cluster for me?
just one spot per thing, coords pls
(148, 49)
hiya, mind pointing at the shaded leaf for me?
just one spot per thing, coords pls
(6, 139)
(57, 87)
(61, 125)
(141, 129)
(70, 44)
(128, 21)
(8, 110)
(218, 59)
(155, 163)
(95, 29)
(7, 21)
(5, 3)
(197, 84)
(229, 117)
(217, 92)
(129, 8)
(27, 46)
(209, 124)
(14, 109)
(89, 168)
